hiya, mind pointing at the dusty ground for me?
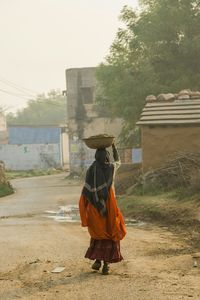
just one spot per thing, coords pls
(157, 263)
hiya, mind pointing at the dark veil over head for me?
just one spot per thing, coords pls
(102, 156)
(98, 181)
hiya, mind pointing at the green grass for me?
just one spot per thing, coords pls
(6, 190)
(140, 206)
(178, 214)
(31, 173)
(163, 208)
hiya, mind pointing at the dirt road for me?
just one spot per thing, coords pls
(157, 264)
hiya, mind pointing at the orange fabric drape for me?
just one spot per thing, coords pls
(112, 227)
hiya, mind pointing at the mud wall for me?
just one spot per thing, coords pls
(160, 143)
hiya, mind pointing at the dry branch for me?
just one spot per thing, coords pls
(177, 171)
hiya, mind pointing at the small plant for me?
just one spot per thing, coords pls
(5, 190)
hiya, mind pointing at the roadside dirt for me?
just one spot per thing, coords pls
(157, 264)
(181, 216)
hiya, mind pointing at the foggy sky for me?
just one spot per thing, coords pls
(42, 38)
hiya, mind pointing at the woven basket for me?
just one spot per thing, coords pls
(99, 141)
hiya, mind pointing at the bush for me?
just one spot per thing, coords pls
(6, 189)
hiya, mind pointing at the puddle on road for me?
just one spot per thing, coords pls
(70, 213)
(134, 222)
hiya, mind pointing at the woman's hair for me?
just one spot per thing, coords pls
(102, 156)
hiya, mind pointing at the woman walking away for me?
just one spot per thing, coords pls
(100, 213)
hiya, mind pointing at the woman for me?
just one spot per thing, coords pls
(99, 211)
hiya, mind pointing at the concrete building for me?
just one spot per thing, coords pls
(169, 124)
(35, 147)
(83, 118)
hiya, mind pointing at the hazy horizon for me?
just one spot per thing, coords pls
(40, 39)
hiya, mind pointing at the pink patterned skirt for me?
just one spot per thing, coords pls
(106, 250)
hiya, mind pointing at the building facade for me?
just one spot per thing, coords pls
(35, 147)
(169, 124)
(83, 118)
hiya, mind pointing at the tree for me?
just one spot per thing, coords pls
(44, 110)
(157, 51)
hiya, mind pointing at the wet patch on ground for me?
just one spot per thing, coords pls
(70, 213)
(134, 222)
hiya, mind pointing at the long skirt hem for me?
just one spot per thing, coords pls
(105, 250)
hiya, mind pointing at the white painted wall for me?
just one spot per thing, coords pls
(64, 145)
(30, 156)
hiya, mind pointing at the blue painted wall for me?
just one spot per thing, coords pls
(33, 135)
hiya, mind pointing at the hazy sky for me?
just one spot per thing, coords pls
(42, 38)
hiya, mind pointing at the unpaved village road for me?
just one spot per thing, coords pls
(157, 264)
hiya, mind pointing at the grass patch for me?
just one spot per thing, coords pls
(31, 173)
(163, 208)
(140, 206)
(6, 190)
(181, 215)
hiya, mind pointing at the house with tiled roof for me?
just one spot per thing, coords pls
(169, 123)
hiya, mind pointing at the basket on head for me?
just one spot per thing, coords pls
(99, 141)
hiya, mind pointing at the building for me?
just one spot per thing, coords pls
(35, 147)
(3, 129)
(83, 118)
(169, 124)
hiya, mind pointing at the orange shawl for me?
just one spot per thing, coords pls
(111, 228)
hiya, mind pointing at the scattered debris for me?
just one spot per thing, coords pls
(196, 258)
(48, 261)
(35, 261)
(58, 270)
(195, 265)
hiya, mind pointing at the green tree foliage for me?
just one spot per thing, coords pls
(44, 110)
(157, 51)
